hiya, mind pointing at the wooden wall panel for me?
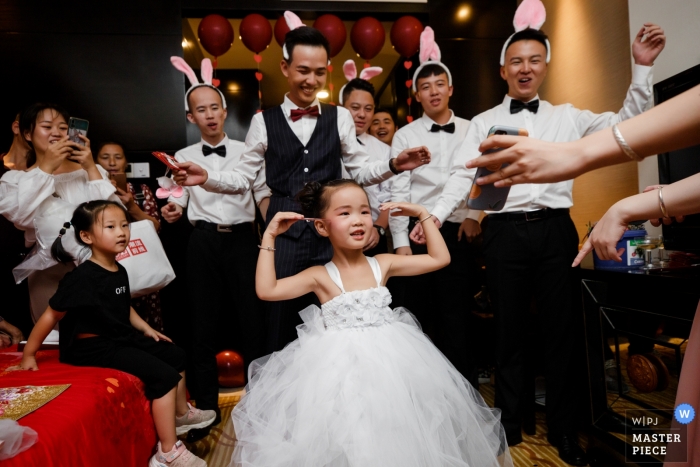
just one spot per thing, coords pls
(591, 69)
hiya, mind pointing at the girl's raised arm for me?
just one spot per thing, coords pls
(438, 256)
(266, 284)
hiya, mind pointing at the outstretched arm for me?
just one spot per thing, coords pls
(42, 328)
(437, 257)
(672, 125)
(267, 286)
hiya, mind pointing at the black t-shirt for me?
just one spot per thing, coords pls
(96, 301)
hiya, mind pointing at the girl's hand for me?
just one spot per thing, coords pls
(82, 154)
(28, 363)
(155, 335)
(55, 154)
(281, 223)
(604, 237)
(404, 209)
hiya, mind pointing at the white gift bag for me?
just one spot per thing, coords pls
(145, 260)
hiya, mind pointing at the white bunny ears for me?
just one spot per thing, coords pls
(530, 14)
(429, 55)
(350, 72)
(207, 75)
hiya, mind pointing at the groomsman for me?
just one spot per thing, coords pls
(221, 254)
(444, 313)
(298, 142)
(530, 244)
(358, 98)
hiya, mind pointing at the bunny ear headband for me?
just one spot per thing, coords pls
(293, 22)
(429, 55)
(350, 72)
(207, 75)
(530, 14)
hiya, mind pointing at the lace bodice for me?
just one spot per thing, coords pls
(358, 308)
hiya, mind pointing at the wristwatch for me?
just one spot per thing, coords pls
(380, 229)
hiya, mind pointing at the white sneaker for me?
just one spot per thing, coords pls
(179, 456)
(194, 418)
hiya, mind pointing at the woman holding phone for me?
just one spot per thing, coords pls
(140, 206)
(58, 169)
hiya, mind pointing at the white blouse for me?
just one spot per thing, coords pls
(23, 193)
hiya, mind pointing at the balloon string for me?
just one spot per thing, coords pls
(259, 88)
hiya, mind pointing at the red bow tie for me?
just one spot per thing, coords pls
(298, 113)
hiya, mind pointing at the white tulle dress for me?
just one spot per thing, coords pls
(363, 387)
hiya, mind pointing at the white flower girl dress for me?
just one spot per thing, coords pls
(363, 387)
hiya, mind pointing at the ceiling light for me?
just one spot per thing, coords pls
(322, 95)
(185, 44)
(464, 12)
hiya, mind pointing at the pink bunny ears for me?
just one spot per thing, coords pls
(293, 22)
(207, 76)
(429, 55)
(530, 14)
(350, 72)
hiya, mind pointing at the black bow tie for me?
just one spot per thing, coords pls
(516, 106)
(449, 128)
(220, 150)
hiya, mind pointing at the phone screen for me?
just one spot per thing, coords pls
(77, 126)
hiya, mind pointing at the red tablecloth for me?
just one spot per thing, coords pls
(103, 419)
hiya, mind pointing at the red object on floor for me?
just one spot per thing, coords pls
(230, 366)
(102, 419)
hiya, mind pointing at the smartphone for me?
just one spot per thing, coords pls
(488, 197)
(120, 179)
(77, 126)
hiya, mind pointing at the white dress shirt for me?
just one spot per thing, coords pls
(424, 184)
(556, 123)
(355, 159)
(213, 202)
(24, 195)
(378, 151)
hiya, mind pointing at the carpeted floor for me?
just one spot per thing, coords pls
(216, 448)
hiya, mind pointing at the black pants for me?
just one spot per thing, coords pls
(441, 302)
(157, 364)
(225, 311)
(526, 261)
(292, 256)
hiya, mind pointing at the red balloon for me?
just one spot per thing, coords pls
(334, 30)
(405, 35)
(215, 34)
(230, 369)
(367, 37)
(256, 32)
(281, 30)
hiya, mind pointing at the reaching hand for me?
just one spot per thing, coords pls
(5, 341)
(413, 158)
(28, 363)
(404, 209)
(470, 228)
(531, 161)
(372, 240)
(281, 223)
(171, 212)
(604, 237)
(126, 198)
(190, 174)
(665, 220)
(155, 335)
(645, 52)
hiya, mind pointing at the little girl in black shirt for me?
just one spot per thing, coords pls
(100, 328)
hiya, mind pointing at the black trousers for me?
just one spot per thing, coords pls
(225, 311)
(526, 261)
(292, 256)
(157, 364)
(441, 302)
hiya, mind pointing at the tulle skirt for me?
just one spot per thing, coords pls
(361, 397)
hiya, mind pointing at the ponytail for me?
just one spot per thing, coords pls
(57, 251)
